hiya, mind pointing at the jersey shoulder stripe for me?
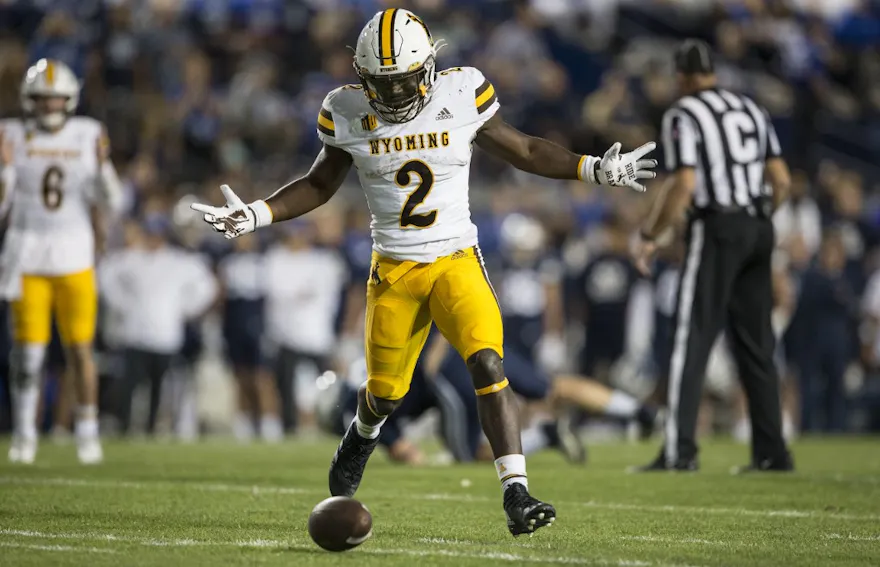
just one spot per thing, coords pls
(325, 122)
(473, 96)
(485, 96)
(342, 108)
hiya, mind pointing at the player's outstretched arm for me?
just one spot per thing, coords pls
(293, 200)
(317, 187)
(547, 159)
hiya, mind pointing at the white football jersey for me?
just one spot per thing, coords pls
(415, 175)
(56, 174)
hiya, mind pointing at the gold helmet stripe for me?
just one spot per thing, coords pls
(50, 73)
(386, 37)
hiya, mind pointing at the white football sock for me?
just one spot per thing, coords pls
(789, 431)
(271, 429)
(242, 427)
(367, 431)
(187, 422)
(742, 430)
(622, 405)
(511, 469)
(86, 426)
(26, 400)
(534, 439)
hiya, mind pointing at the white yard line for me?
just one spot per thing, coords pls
(149, 542)
(733, 511)
(64, 548)
(851, 537)
(513, 557)
(262, 543)
(257, 490)
(676, 540)
(154, 485)
(446, 541)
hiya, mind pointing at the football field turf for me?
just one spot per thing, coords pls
(221, 504)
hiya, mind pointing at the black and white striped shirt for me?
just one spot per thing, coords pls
(727, 138)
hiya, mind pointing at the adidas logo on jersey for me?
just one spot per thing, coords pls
(444, 114)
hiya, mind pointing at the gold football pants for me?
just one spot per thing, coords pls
(404, 297)
(74, 300)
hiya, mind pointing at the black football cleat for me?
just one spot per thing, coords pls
(784, 464)
(524, 513)
(660, 465)
(568, 439)
(349, 462)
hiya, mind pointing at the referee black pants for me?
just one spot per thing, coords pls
(725, 283)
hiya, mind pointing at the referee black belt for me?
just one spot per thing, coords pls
(759, 209)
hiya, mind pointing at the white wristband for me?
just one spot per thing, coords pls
(587, 169)
(262, 213)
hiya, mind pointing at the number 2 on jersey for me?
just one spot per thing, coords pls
(417, 197)
(52, 194)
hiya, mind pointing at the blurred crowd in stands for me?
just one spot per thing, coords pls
(196, 93)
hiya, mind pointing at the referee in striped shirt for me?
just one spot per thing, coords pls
(727, 173)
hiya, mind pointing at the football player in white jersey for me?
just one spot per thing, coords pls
(55, 169)
(409, 130)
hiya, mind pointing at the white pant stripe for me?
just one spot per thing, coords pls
(687, 288)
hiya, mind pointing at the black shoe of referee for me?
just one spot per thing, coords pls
(660, 465)
(781, 464)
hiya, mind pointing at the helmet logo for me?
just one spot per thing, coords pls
(419, 21)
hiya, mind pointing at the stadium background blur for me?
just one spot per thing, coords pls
(202, 92)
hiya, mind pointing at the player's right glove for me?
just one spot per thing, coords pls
(616, 170)
(236, 218)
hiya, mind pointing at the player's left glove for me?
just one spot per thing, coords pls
(616, 170)
(236, 218)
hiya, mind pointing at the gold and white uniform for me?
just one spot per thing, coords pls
(50, 244)
(426, 262)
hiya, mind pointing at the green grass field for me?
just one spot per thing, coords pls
(220, 504)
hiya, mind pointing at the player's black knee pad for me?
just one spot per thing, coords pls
(380, 407)
(486, 368)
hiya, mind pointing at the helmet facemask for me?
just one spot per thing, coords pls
(399, 98)
(48, 114)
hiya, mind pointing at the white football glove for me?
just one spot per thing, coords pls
(616, 170)
(236, 218)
